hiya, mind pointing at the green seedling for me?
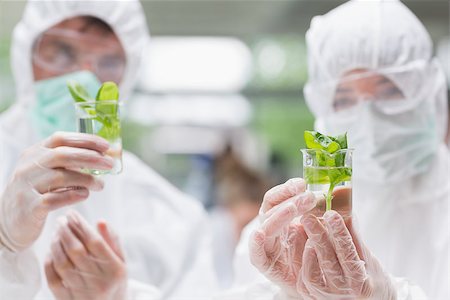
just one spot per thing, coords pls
(105, 110)
(330, 160)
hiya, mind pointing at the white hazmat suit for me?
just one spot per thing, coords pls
(161, 230)
(401, 163)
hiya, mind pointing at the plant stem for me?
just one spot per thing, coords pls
(329, 197)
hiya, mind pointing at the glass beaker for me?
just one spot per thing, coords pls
(329, 178)
(102, 118)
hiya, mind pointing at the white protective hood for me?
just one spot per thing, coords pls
(384, 36)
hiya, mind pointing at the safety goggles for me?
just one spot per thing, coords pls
(393, 90)
(63, 51)
(375, 88)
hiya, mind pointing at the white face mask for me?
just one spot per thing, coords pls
(388, 148)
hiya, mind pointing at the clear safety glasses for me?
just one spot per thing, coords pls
(353, 89)
(381, 86)
(63, 51)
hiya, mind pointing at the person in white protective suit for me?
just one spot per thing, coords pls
(161, 230)
(397, 126)
(371, 74)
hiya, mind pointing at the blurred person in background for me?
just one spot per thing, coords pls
(238, 192)
(161, 229)
(372, 74)
(278, 172)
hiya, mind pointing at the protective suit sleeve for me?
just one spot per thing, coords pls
(198, 279)
(139, 291)
(267, 290)
(19, 274)
(406, 290)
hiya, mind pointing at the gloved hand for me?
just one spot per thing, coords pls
(84, 264)
(336, 265)
(48, 177)
(276, 248)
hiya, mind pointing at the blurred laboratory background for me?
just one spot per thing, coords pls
(219, 109)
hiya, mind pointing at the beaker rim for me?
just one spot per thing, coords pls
(306, 150)
(97, 102)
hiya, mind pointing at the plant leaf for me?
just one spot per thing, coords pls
(316, 140)
(78, 92)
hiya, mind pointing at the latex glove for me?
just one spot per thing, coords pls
(47, 177)
(276, 248)
(85, 264)
(336, 265)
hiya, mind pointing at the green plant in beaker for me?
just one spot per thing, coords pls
(101, 117)
(327, 170)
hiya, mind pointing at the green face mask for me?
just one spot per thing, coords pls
(54, 110)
